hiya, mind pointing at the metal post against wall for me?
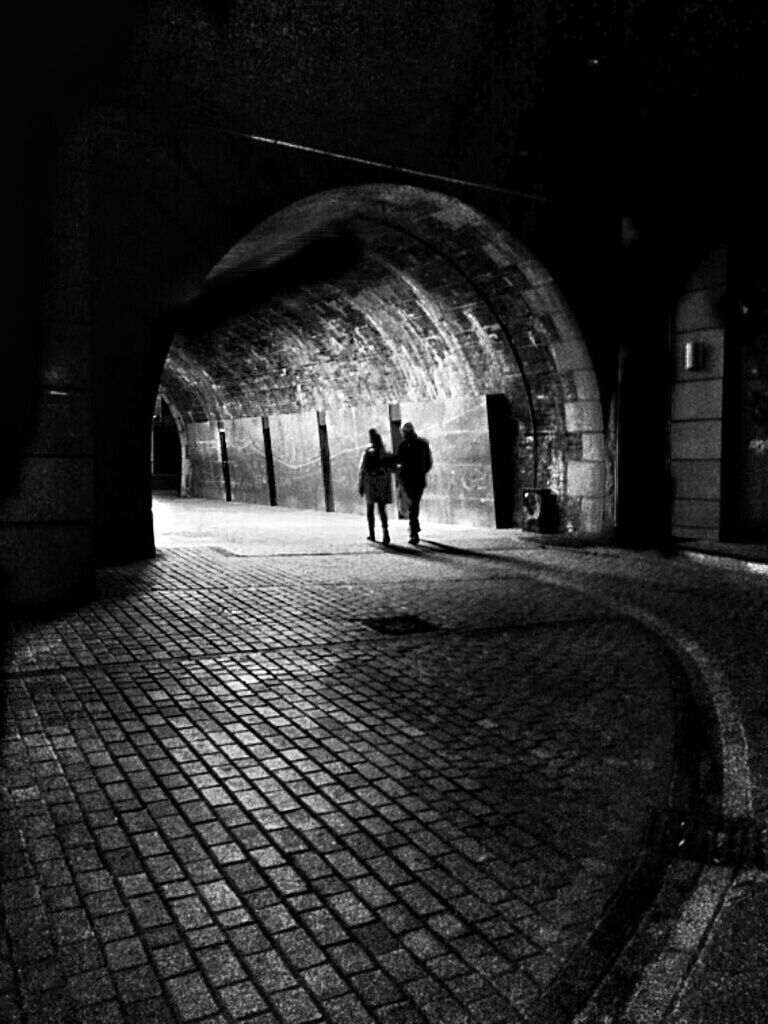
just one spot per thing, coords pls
(394, 425)
(269, 460)
(225, 463)
(325, 460)
(395, 419)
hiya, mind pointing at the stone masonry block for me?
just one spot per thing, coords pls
(586, 479)
(692, 513)
(45, 562)
(66, 355)
(592, 514)
(698, 310)
(545, 298)
(696, 439)
(711, 272)
(53, 489)
(592, 446)
(586, 385)
(64, 422)
(697, 400)
(583, 416)
(699, 478)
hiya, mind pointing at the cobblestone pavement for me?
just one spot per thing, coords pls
(229, 796)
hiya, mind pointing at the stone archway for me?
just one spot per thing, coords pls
(438, 308)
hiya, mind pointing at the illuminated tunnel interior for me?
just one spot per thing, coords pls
(370, 306)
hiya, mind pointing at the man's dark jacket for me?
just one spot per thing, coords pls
(415, 460)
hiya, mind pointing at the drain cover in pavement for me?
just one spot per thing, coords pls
(708, 839)
(399, 625)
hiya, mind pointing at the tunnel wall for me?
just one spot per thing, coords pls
(443, 309)
(460, 488)
(348, 428)
(696, 424)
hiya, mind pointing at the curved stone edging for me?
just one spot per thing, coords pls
(665, 979)
(713, 694)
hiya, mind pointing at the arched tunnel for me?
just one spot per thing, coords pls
(368, 306)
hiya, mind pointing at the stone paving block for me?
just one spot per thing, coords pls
(105, 1013)
(299, 949)
(219, 896)
(347, 1010)
(172, 960)
(295, 1006)
(399, 919)
(140, 886)
(271, 970)
(286, 881)
(94, 986)
(113, 926)
(324, 981)
(124, 953)
(55, 1005)
(191, 913)
(204, 870)
(377, 938)
(228, 918)
(220, 965)
(248, 938)
(242, 1000)
(326, 929)
(400, 1013)
(79, 956)
(349, 908)
(423, 944)
(191, 997)
(202, 938)
(350, 958)
(137, 983)
(375, 988)
(149, 911)
(401, 965)
(273, 917)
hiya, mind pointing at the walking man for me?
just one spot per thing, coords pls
(415, 460)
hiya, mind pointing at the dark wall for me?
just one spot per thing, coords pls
(132, 184)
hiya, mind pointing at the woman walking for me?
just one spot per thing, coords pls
(375, 484)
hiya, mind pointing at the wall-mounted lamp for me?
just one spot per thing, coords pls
(695, 355)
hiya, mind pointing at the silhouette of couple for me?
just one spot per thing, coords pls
(412, 460)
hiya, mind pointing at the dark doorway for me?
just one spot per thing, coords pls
(502, 436)
(166, 450)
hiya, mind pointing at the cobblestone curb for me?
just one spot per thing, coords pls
(665, 979)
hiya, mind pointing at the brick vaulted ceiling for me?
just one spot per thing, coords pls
(379, 292)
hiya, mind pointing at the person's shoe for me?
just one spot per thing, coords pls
(385, 539)
(414, 539)
(372, 537)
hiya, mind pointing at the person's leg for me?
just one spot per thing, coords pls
(384, 522)
(413, 516)
(371, 521)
